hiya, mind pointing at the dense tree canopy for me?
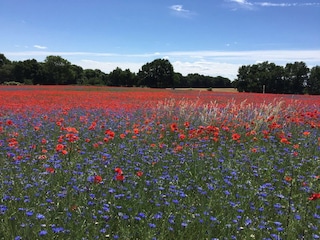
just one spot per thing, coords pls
(56, 70)
(159, 73)
(294, 78)
(313, 84)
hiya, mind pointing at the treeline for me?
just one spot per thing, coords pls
(293, 78)
(56, 70)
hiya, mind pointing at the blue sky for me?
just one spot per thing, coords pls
(210, 37)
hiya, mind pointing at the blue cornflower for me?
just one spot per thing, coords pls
(29, 213)
(275, 237)
(158, 215)
(142, 215)
(152, 225)
(40, 216)
(248, 221)
(277, 205)
(57, 229)
(315, 236)
(278, 223)
(18, 238)
(213, 218)
(43, 233)
(125, 216)
(175, 201)
(3, 209)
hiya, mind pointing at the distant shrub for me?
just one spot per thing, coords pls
(11, 83)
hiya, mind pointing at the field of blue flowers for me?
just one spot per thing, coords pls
(177, 170)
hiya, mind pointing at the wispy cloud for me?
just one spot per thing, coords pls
(251, 5)
(178, 8)
(270, 4)
(39, 47)
(241, 3)
(179, 11)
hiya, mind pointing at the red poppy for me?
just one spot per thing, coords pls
(92, 126)
(97, 179)
(288, 178)
(110, 133)
(50, 170)
(235, 136)
(314, 196)
(71, 130)
(120, 177)
(118, 170)
(306, 133)
(59, 147)
(139, 173)
(64, 152)
(182, 136)
(174, 127)
(9, 122)
(284, 140)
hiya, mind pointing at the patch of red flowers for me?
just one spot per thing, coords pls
(50, 170)
(314, 196)
(97, 179)
(119, 176)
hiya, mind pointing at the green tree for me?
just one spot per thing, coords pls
(221, 82)
(116, 77)
(296, 77)
(313, 86)
(265, 76)
(243, 79)
(3, 60)
(159, 73)
(5, 69)
(77, 74)
(178, 80)
(94, 77)
(28, 72)
(270, 77)
(58, 71)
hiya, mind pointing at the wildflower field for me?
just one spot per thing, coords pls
(135, 163)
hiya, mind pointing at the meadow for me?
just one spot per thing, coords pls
(135, 163)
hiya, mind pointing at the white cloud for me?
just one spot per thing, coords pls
(242, 2)
(40, 47)
(107, 66)
(179, 11)
(212, 63)
(228, 70)
(250, 5)
(178, 8)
